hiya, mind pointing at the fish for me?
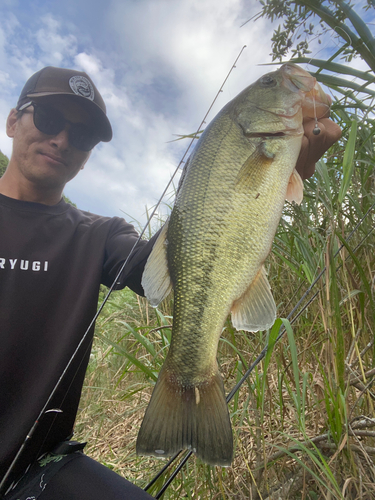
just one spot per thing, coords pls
(212, 250)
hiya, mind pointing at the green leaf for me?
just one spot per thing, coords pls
(136, 362)
(348, 161)
(141, 338)
(333, 81)
(365, 282)
(4, 160)
(361, 27)
(338, 339)
(335, 68)
(294, 356)
(273, 334)
(341, 28)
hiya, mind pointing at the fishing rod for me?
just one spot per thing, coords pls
(45, 409)
(263, 353)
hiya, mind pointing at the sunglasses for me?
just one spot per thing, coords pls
(50, 121)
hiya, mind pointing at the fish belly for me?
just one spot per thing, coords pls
(219, 234)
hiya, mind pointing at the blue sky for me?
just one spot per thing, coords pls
(157, 63)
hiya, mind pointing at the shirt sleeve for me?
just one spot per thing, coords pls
(119, 247)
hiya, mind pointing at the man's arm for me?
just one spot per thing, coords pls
(119, 245)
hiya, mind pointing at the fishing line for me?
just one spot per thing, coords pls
(161, 472)
(110, 290)
(316, 130)
(262, 354)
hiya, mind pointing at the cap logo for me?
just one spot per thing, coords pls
(81, 86)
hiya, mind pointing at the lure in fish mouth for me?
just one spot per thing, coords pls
(212, 252)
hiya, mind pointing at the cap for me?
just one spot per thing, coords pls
(52, 81)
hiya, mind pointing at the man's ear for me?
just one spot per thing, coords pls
(11, 122)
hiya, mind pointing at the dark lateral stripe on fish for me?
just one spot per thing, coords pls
(265, 134)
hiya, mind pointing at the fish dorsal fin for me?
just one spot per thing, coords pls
(294, 190)
(255, 310)
(156, 280)
(261, 158)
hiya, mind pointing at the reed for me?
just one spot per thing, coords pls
(303, 421)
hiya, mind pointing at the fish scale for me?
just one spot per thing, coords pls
(212, 250)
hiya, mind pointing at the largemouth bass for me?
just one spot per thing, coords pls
(227, 209)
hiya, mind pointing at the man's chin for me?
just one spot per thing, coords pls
(47, 181)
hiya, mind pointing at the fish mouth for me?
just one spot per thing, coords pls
(315, 102)
(297, 79)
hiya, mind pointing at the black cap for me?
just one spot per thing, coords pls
(52, 81)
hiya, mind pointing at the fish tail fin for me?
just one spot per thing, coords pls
(195, 417)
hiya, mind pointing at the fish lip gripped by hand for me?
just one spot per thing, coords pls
(297, 79)
(213, 248)
(308, 97)
(315, 102)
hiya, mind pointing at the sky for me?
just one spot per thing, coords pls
(158, 65)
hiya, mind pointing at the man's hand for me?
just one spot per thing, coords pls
(314, 146)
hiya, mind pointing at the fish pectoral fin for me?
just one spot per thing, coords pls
(294, 190)
(156, 281)
(255, 310)
(187, 416)
(260, 159)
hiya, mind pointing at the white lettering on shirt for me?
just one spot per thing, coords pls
(23, 265)
(12, 263)
(36, 266)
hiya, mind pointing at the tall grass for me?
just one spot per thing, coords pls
(304, 422)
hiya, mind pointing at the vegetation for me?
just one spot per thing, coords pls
(4, 160)
(304, 420)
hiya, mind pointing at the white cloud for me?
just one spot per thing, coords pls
(91, 64)
(190, 45)
(167, 62)
(55, 48)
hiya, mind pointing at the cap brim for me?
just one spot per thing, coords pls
(100, 119)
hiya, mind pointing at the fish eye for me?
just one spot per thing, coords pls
(268, 81)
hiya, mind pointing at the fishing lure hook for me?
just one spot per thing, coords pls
(316, 130)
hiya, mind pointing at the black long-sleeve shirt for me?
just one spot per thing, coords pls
(52, 262)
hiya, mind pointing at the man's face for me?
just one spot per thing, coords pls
(48, 161)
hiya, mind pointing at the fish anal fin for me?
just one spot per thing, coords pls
(191, 417)
(255, 310)
(247, 178)
(156, 281)
(294, 190)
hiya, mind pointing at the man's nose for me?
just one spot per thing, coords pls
(61, 140)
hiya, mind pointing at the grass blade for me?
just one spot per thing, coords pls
(348, 161)
(334, 81)
(136, 362)
(361, 27)
(334, 67)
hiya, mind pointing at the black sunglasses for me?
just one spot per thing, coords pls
(50, 121)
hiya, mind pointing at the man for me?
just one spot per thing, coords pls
(52, 261)
(53, 258)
